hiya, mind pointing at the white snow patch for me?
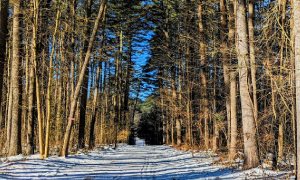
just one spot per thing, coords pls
(128, 162)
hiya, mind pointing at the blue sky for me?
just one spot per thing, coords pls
(140, 58)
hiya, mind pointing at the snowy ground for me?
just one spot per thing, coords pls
(128, 162)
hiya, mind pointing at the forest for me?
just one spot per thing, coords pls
(211, 75)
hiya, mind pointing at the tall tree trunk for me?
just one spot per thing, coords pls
(162, 102)
(292, 55)
(282, 10)
(216, 131)
(231, 42)
(49, 87)
(188, 134)
(248, 119)
(251, 8)
(73, 6)
(9, 106)
(174, 106)
(37, 85)
(15, 139)
(126, 111)
(224, 51)
(95, 108)
(178, 119)
(59, 114)
(233, 118)
(31, 109)
(100, 17)
(226, 61)
(84, 88)
(3, 39)
(296, 14)
(202, 54)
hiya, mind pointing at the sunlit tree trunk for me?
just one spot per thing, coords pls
(251, 16)
(248, 119)
(296, 9)
(36, 77)
(233, 118)
(49, 87)
(15, 139)
(188, 134)
(231, 49)
(282, 10)
(292, 55)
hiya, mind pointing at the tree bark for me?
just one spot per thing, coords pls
(31, 109)
(248, 119)
(292, 55)
(296, 14)
(231, 42)
(3, 39)
(282, 10)
(15, 146)
(179, 117)
(251, 8)
(233, 117)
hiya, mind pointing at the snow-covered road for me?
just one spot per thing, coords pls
(127, 162)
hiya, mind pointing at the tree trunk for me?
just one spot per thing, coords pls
(292, 55)
(231, 41)
(296, 10)
(216, 131)
(49, 92)
(3, 38)
(188, 134)
(282, 10)
(174, 107)
(31, 109)
(179, 117)
(58, 120)
(36, 74)
(225, 60)
(15, 139)
(95, 108)
(248, 119)
(84, 88)
(202, 54)
(251, 8)
(233, 118)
